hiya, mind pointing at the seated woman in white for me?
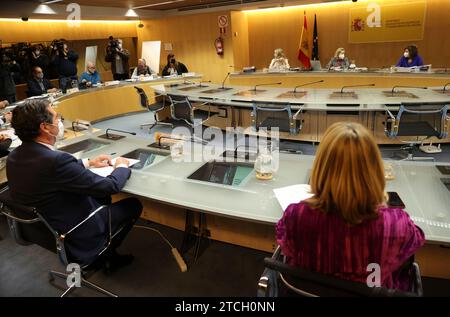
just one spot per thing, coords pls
(279, 62)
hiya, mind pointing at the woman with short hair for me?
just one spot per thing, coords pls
(410, 57)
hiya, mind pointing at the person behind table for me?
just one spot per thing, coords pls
(90, 77)
(38, 84)
(339, 60)
(63, 188)
(279, 61)
(410, 57)
(142, 70)
(174, 67)
(347, 224)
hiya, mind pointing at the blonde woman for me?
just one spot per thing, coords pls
(339, 60)
(346, 224)
(279, 62)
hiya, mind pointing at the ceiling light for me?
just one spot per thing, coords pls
(44, 9)
(131, 13)
(158, 4)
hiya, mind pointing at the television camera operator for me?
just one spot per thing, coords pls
(118, 57)
(8, 66)
(65, 61)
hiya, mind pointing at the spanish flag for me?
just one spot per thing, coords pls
(303, 50)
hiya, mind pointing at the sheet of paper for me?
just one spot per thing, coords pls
(105, 171)
(292, 194)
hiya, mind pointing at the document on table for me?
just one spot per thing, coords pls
(292, 194)
(105, 171)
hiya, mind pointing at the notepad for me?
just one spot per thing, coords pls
(292, 194)
(105, 171)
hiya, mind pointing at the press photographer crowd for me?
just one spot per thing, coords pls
(37, 64)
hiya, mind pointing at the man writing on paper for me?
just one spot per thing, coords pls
(64, 190)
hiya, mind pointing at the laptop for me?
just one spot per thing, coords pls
(315, 65)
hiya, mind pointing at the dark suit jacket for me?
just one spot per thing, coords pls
(34, 89)
(65, 193)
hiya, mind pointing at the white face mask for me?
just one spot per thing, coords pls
(406, 54)
(60, 135)
(342, 56)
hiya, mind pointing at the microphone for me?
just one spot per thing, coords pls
(443, 90)
(168, 138)
(223, 82)
(254, 89)
(393, 88)
(314, 82)
(206, 81)
(112, 136)
(366, 85)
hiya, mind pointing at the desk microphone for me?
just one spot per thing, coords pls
(443, 90)
(188, 82)
(108, 136)
(254, 89)
(393, 88)
(366, 85)
(314, 82)
(206, 81)
(223, 82)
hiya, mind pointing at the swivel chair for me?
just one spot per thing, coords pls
(279, 115)
(154, 108)
(281, 279)
(28, 226)
(419, 120)
(181, 109)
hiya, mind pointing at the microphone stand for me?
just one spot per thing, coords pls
(366, 85)
(315, 82)
(254, 89)
(393, 88)
(223, 82)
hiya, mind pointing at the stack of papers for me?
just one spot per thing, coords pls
(292, 194)
(105, 171)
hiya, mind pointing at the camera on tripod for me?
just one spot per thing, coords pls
(58, 45)
(113, 43)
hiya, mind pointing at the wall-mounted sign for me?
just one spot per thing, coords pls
(383, 21)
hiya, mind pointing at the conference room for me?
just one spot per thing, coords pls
(215, 148)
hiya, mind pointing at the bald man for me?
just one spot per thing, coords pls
(142, 69)
(90, 77)
(39, 85)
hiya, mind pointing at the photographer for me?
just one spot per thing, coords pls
(7, 85)
(65, 61)
(118, 57)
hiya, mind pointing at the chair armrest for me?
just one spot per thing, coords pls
(390, 125)
(28, 221)
(298, 113)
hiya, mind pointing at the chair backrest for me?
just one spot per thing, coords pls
(143, 97)
(274, 115)
(181, 108)
(296, 281)
(25, 224)
(418, 120)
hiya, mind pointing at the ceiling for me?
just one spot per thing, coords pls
(161, 5)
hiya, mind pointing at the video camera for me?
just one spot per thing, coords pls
(7, 55)
(113, 43)
(58, 45)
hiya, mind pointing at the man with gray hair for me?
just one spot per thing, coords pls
(142, 70)
(90, 77)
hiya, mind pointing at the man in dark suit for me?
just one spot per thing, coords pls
(63, 188)
(39, 85)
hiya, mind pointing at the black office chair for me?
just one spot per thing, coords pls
(419, 120)
(281, 279)
(154, 108)
(181, 109)
(279, 115)
(28, 226)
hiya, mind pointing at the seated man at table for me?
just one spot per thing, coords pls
(142, 70)
(90, 77)
(63, 188)
(39, 85)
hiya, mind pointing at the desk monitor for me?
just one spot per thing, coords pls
(446, 182)
(191, 88)
(344, 95)
(291, 94)
(399, 94)
(249, 93)
(83, 146)
(145, 157)
(216, 90)
(225, 173)
(444, 169)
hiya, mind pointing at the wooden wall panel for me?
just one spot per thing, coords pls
(192, 39)
(239, 31)
(272, 29)
(19, 31)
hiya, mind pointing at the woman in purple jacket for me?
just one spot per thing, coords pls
(347, 225)
(410, 57)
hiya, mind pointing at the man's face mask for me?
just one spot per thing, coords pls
(60, 135)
